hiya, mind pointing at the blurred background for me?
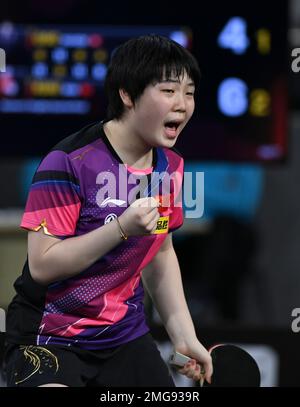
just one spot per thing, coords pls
(240, 259)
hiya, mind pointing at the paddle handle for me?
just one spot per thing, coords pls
(178, 359)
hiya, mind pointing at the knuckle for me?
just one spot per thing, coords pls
(148, 227)
(140, 218)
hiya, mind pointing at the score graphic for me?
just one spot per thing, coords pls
(234, 96)
(233, 99)
(234, 36)
(64, 62)
(53, 84)
(61, 69)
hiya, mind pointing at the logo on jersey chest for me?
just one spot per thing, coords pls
(111, 202)
(162, 225)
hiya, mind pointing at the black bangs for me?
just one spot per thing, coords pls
(173, 62)
(162, 60)
(175, 71)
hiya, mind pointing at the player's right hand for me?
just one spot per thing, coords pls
(140, 217)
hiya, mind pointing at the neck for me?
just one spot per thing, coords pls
(132, 149)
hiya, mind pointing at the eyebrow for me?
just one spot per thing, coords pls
(176, 81)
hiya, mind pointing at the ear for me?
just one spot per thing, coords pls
(126, 99)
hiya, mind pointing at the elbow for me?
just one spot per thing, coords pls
(37, 277)
(38, 274)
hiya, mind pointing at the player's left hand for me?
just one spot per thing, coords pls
(200, 366)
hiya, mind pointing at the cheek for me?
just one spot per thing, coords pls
(192, 106)
(190, 109)
(153, 111)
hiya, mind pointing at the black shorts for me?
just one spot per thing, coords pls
(136, 363)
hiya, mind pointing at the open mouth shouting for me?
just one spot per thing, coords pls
(171, 127)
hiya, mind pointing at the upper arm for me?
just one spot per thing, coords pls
(159, 257)
(38, 244)
(167, 243)
(52, 208)
(176, 215)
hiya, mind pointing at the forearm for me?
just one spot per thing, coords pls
(71, 256)
(165, 287)
(163, 281)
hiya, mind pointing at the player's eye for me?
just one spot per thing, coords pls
(168, 90)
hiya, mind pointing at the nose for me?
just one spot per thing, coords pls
(180, 102)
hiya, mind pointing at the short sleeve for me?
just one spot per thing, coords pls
(53, 201)
(176, 215)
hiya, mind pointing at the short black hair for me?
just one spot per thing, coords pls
(142, 61)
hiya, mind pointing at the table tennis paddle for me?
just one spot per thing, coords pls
(233, 366)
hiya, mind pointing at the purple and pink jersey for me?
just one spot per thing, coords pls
(78, 187)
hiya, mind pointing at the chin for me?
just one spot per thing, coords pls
(170, 143)
(165, 142)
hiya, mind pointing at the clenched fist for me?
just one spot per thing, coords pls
(140, 217)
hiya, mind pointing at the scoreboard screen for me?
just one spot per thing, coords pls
(53, 82)
(60, 70)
